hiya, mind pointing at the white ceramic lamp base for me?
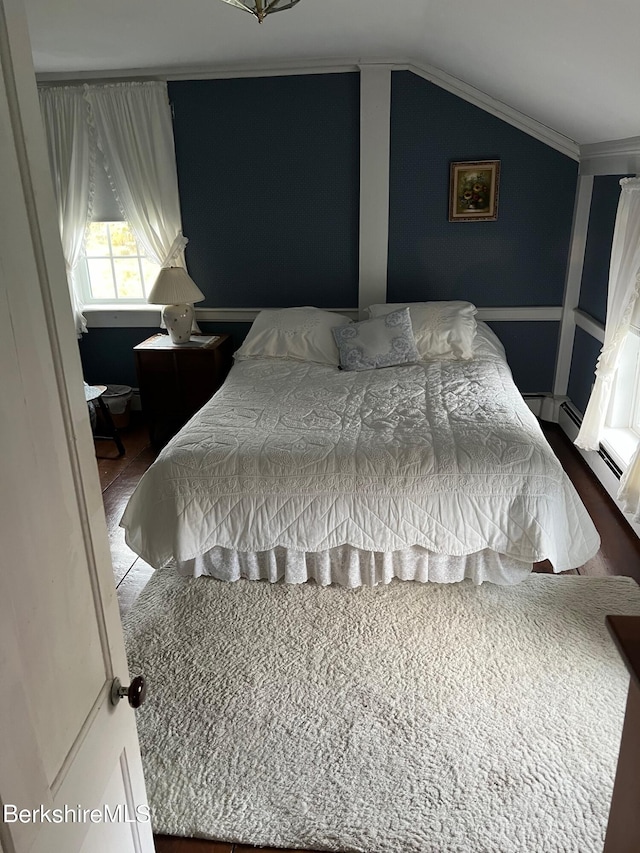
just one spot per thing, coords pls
(179, 320)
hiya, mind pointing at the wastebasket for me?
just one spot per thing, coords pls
(118, 399)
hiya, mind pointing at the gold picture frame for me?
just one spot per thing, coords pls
(473, 191)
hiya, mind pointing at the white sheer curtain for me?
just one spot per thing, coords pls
(624, 287)
(72, 163)
(135, 134)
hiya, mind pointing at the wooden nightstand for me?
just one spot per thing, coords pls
(177, 379)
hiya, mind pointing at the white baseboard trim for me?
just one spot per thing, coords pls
(597, 464)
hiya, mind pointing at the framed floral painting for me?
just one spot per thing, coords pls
(473, 191)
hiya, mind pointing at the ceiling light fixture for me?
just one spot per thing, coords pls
(261, 8)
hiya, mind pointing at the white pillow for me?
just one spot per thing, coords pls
(441, 329)
(380, 342)
(303, 334)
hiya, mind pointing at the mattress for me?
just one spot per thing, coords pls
(442, 455)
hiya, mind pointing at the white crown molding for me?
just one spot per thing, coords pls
(204, 72)
(589, 324)
(615, 157)
(329, 66)
(497, 108)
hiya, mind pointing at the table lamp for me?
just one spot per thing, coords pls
(176, 291)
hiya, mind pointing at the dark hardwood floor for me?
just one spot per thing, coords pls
(619, 553)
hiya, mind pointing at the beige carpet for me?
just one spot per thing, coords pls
(408, 718)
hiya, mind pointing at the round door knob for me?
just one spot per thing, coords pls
(136, 692)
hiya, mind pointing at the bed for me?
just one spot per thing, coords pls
(431, 469)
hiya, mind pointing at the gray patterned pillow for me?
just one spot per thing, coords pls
(381, 342)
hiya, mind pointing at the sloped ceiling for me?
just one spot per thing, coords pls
(573, 65)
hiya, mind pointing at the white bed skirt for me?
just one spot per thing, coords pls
(351, 567)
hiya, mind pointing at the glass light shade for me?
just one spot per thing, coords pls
(261, 8)
(174, 286)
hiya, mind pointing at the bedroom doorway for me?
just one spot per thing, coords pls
(64, 745)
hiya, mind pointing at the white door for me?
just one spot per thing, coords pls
(63, 746)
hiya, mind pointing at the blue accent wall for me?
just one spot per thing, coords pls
(597, 253)
(586, 350)
(521, 258)
(107, 355)
(531, 349)
(269, 171)
(269, 178)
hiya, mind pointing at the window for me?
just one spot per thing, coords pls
(116, 270)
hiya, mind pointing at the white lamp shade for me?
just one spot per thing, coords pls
(173, 287)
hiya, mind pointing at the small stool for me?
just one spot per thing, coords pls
(93, 393)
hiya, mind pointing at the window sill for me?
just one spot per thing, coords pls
(620, 443)
(113, 315)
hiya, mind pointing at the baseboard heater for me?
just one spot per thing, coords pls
(602, 452)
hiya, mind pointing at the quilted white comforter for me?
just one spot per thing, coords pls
(445, 455)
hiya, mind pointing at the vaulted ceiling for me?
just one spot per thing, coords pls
(573, 65)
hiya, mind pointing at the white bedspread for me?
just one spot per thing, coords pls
(444, 455)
